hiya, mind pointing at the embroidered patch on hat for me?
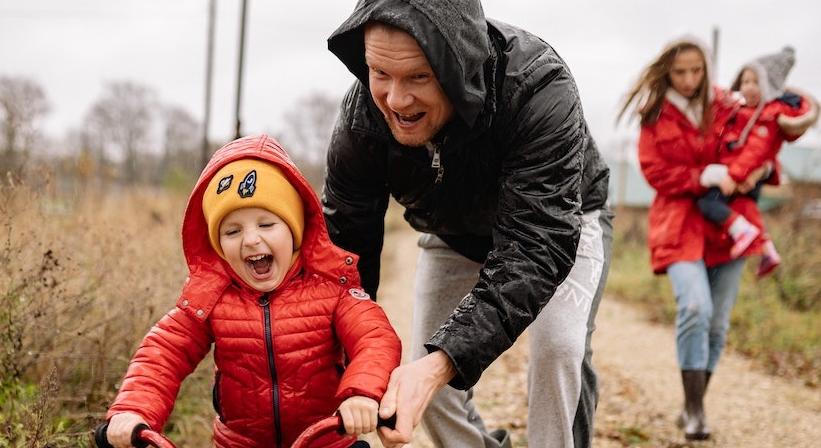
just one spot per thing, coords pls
(359, 293)
(248, 185)
(224, 183)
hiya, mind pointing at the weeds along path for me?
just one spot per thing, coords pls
(640, 392)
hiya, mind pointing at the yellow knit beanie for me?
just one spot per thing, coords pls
(247, 183)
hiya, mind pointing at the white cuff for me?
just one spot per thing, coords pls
(712, 175)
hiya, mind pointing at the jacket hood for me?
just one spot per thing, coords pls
(452, 34)
(209, 273)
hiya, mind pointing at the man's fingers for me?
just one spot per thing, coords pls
(392, 438)
(386, 436)
(387, 407)
(404, 426)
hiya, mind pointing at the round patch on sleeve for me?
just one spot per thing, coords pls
(762, 131)
(359, 293)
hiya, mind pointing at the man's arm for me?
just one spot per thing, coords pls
(537, 228)
(355, 196)
(535, 240)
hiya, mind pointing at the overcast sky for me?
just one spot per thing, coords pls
(73, 47)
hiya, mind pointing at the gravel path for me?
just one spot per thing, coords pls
(639, 381)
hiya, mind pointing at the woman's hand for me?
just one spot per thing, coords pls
(359, 415)
(717, 175)
(120, 428)
(713, 174)
(755, 176)
(727, 186)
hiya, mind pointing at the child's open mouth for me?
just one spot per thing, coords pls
(260, 264)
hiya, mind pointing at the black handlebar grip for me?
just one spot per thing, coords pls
(389, 422)
(100, 438)
(135, 436)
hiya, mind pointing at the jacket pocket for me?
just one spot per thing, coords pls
(215, 397)
(666, 221)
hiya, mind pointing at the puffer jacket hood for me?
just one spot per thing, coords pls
(210, 272)
(452, 33)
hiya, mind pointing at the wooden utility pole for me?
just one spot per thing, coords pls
(238, 132)
(209, 68)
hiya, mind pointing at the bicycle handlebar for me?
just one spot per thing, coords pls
(331, 424)
(141, 437)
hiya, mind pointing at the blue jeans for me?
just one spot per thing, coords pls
(704, 299)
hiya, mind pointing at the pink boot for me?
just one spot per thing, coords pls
(743, 234)
(769, 261)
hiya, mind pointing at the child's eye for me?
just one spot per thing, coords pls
(265, 225)
(231, 232)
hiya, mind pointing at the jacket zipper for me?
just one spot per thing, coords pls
(436, 161)
(265, 303)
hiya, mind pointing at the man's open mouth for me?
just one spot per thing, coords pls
(261, 264)
(407, 120)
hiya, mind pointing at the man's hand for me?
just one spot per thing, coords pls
(120, 428)
(410, 389)
(358, 415)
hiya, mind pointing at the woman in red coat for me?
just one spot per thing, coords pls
(681, 119)
(294, 339)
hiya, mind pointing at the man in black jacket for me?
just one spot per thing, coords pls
(476, 128)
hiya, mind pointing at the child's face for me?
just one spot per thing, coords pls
(258, 246)
(749, 87)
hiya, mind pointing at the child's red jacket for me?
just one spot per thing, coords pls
(765, 137)
(280, 359)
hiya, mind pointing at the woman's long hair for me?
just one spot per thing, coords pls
(647, 95)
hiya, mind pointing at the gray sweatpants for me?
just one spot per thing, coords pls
(562, 390)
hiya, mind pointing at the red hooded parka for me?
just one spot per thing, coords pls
(279, 356)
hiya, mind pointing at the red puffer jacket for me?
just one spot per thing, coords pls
(765, 138)
(777, 122)
(672, 154)
(279, 357)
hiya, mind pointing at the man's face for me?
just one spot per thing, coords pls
(404, 86)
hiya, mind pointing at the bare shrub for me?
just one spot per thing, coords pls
(81, 280)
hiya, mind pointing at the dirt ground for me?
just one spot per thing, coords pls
(640, 392)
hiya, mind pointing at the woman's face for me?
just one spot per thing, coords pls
(750, 88)
(687, 72)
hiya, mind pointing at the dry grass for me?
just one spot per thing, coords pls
(84, 274)
(775, 320)
(82, 278)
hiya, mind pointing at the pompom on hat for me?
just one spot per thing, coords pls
(247, 183)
